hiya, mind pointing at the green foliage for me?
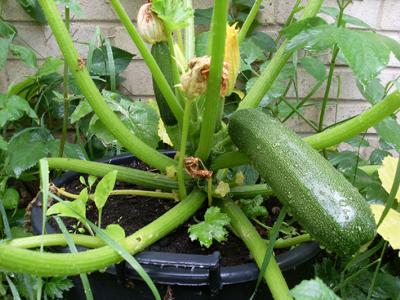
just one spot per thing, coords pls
(314, 67)
(74, 209)
(10, 198)
(212, 228)
(55, 287)
(33, 9)
(254, 208)
(13, 107)
(41, 144)
(73, 5)
(347, 19)
(115, 231)
(314, 289)
(367, 53)
(104, 188)
(173, 13)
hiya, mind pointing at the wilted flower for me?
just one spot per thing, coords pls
(232, 56)
(194, 81)
(149, 25)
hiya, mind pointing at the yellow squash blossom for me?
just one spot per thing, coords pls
(232, 56)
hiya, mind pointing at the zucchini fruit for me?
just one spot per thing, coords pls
(161, 54)
(317, 195)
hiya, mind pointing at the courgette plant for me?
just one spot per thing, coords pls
(190, 93)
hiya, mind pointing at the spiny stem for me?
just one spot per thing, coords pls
(66, 91)
(182, 150)
(249, 20)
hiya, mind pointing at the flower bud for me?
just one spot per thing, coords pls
(149, 25)
(232, 56)
(194, 81)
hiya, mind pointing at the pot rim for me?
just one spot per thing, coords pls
(180, 268)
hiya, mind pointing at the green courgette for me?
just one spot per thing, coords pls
(318, 196)
(161, 54)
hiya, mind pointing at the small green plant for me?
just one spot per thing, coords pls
(214, 91)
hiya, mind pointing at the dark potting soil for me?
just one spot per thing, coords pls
(133, 212)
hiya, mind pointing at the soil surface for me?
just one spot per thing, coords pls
(132, 213)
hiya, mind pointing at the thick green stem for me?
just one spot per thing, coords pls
(257, 246)
(213, 100)
(125, 174)
(51, 240)
(65, 92)
(249, 21)
(250, 191)
(88, 88)
(159, 77)
(287, 243)
(182, 150)
(330, 137)
(268, 76)
(61, 264)
(355, 126)
(189, 34)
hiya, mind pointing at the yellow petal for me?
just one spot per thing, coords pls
(232, 55)
(389, 229)
(387, 173)
(162, 132)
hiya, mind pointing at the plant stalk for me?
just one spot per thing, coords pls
(189, 34)
(257, 246)
(125, 174)
(249, 21)
(88, 88)
(182, 150)
(213, 99)
(65, 264)
(66, 91)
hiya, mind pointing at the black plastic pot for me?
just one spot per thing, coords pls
(183, 276)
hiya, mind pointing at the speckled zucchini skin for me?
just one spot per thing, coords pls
(161, 54)
(319, 197)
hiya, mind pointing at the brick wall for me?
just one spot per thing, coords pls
(383, 15)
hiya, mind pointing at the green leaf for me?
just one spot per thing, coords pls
(202, 16)
(358, 141)
(99, 66)
(3, 144)
(7, 30)
(4, 48)
(389, 131)
(70, 150)
(73, 209)
(202, 44)
(250, 52)
(314, 66)
(82, 110)
(34, 139)
(49, 66)
(115, 231)
(211, 228)
(264, 41)
(91, 180)
(373, 91)
(55, 287)
(104, 189)
(299, 26)
(140, 117)
(13, 107)
(334, 13)
(377, 156)
(253, 208)
(10, 198)
(314, 289)
(32, 8)
(25, 54)
(172, 12)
